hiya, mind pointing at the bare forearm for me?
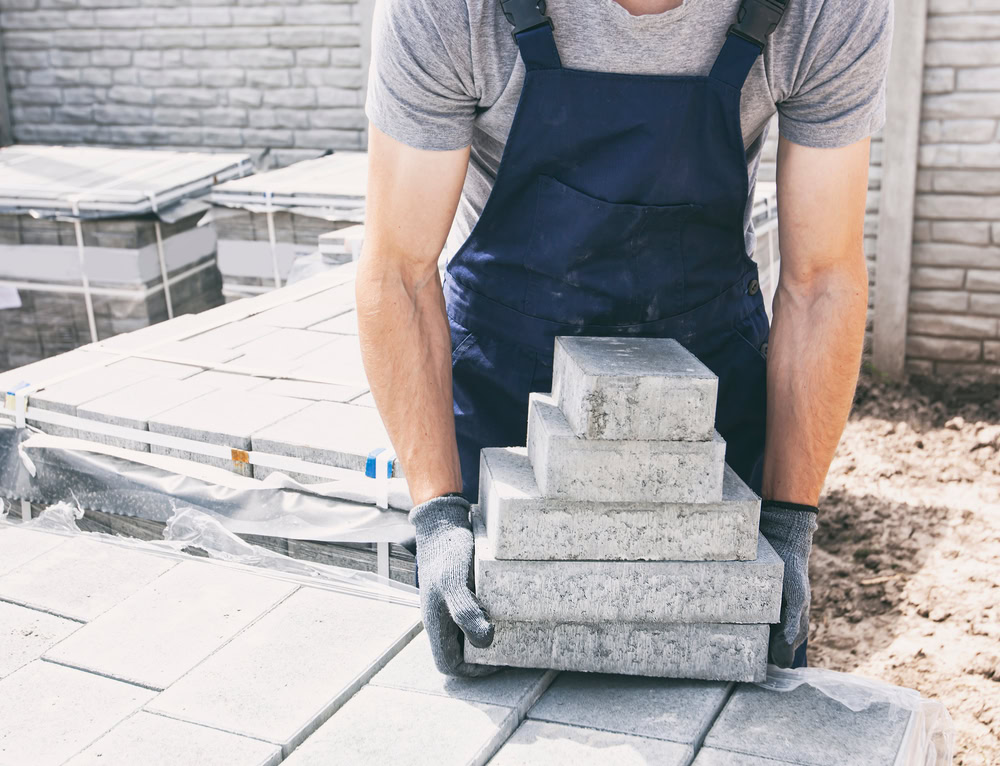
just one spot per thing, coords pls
(406, 347)
(814, 354)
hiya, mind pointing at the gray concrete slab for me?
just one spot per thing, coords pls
(67, 395)
(50, 712)
(521, 523)
(149, 368)
(19, 546)
(365, 400)
(329, 433)
(308, 311)
(337, 362)
(26, 633)
(709, 756)
(167, 627)
(153, 740)
(273, 351)
(229, 381)
(629, 591)
(536, 743)
(345, 324)
(225, 418)
(807, 728)
(230, 335)
(287, 673)
(413, 670)
(194, 352)
(633, 388)
(708, 651)
(316, 392)
(134, 405)
(657, 708)
(381, 726)
(81, 579)
(567, 466)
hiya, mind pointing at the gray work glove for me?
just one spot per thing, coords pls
(448, 605)
(789, 529)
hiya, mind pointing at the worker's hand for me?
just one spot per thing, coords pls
(789, 529)
(448, 605)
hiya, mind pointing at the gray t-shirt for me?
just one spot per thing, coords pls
(446, 73)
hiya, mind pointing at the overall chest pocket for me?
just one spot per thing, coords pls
(622, 261)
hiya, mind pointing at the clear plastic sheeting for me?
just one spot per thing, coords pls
(188, 528)
(929, 739)
(48, 469)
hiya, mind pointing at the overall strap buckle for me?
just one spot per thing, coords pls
(524, 15)
(756, 19)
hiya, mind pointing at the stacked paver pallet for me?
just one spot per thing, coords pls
(619, 541)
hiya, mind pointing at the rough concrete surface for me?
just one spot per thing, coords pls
(629, 591)
(567, 466)
(523, 524)
(26, 633)
(536, 743)
(18, 546)
(633, 389)
(707, 651)
(657, 708)
(154, 740)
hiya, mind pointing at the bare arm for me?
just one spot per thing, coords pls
(817, 332)
(403, 328)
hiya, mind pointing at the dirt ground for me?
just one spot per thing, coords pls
(906, 567)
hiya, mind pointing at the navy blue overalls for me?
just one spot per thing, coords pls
(617, 209)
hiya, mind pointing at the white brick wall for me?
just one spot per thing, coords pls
(217, 74)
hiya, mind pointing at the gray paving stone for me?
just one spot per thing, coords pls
(413, 670)
(226, 418)
(548, 744)
(229, 381)
(274, 351)
(317, 392)
(807, 728)
(134, 405)
(658, 708)
(596, 469)
(365, 400)
(345, 324)
(288, 672)
(523, 524)
(634, 389)
(68, 394)
(747, 592)
(149, 368)
(50, 712)
(381, 726)
(82, 578)
(709, 756)
(311, 310)
(18, 546)
(153, 740)
(194, 352)
(337, 362)
(708, 651)
(26, 633)
(235, 333)
(329, 433)
(167, 627)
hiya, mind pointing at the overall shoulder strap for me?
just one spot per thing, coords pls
(746, 39)
(532, 32)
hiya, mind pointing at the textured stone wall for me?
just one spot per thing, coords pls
(955, 277)
(199, 74)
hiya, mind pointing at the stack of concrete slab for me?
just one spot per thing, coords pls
(619, 541)
(267, 220)
(132, 206)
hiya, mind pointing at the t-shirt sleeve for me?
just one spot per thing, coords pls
(837, 94)
(420, 84)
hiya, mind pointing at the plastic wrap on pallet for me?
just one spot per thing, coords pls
(49, 469)
(929, 739)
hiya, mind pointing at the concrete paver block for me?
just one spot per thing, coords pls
(536, 743)
(273, 351)
(82, 578)
(523, 524)
(26, 633)
(380, 726)
(629, 591)
(709, 651)
(229, 381)
(339, 362)
(164, 629)
(345, 324)
(317, 392)
(807, 728)
(413, 669)
(50, 712)
(709, 756)
(308, 311)
(231, 335)
(287, 673)
(657, 708)
(633, 388)
(134, 405)
(567, 466)
(225, 418)
(329, 433)
(18, 546)
(153, 740)
(149, 368)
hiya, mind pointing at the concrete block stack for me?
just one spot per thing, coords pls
(619, 541)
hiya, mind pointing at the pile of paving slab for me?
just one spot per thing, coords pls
(619, 541)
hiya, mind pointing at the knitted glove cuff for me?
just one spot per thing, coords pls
(450, 510)
(781, 505)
